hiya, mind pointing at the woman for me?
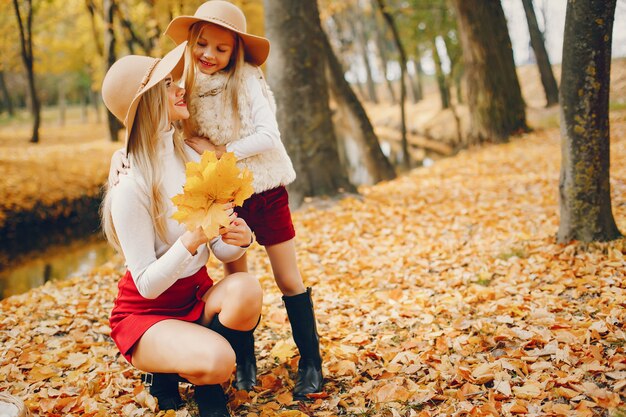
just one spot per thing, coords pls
(169, 319)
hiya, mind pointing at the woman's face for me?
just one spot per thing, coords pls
(213, 49)
(176, 105)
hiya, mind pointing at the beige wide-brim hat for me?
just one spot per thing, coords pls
(227, 15)
(131, 76)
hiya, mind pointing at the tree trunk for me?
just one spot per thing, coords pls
(384, 60)
(26, 42)
(415, 81)
(361, 151)
(442, 83)
(406, 158)
(360, 34)
(584, 188)
(108, 7)
(6, 97)
(296, 74)
(497, 109)
(543, 61)
(62, 102)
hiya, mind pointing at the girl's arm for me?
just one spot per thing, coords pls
(265, 138)
(135, 231)
(119, 166)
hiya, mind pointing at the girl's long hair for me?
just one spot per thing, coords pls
(234, 78)
(151, 119)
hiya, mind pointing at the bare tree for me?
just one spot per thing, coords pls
(108, 7)
(26, 42)
(406, 158)
(299, 84)
(543, 60)
(584, 188)
(361, 151)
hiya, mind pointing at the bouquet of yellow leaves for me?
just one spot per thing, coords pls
(210, 184)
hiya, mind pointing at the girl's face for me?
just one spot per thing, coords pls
(213, 49)
(176, 105)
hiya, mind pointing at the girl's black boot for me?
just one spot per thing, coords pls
(302, 318)
(212, 401)
(242, 343)
(164, 387)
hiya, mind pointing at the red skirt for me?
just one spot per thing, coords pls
(133, 314)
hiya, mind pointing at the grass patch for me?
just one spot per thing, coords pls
(515, 251)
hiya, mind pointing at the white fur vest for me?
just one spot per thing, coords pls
(209, 119)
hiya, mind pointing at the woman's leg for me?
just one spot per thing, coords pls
(237, 299)
(233, 308)
(301, 315)
(240, 265)
(194, 352)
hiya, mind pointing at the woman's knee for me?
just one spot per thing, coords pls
(245, 290)
(215, 364)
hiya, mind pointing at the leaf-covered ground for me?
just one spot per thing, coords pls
(69, 163)
(441, 293)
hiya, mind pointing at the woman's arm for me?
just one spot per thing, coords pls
(135, 231)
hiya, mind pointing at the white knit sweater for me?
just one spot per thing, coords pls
(258, 147)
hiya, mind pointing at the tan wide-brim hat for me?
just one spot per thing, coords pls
(131, 76)
(227, 15)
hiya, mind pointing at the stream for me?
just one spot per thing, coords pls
(57, 262)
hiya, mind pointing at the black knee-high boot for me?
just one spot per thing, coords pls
(211, 401)
(302, 318)
(242, 343)
(164, 387)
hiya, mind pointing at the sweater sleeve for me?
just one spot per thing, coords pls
(266, 135)
(137, 237)
(225, 252)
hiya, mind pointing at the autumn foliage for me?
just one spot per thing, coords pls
(441, 293)
(210, 184)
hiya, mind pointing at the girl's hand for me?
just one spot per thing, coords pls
(201, 144)
(119, 166)
(238, 233)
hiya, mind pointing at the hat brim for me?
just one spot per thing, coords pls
(256, 48)
(172, 63)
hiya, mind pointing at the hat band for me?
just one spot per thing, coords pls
(146, 78)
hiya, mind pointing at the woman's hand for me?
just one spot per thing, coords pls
(119, 166)
(238, 233)
(192, 240)
(201, 144)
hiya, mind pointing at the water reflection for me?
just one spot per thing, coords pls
(60, 262)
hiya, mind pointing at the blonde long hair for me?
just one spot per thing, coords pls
(233, 81)
(151, 119)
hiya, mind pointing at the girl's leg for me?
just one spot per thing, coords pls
(233, 308)
(285, 267)
(299, 307)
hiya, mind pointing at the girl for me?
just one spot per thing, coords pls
(231, 110)
(169, 319)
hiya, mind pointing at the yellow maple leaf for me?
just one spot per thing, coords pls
(210, 184)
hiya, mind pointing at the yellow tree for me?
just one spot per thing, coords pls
(10, 57)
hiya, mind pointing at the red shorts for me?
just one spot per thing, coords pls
(133, 314)
(268, 216)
